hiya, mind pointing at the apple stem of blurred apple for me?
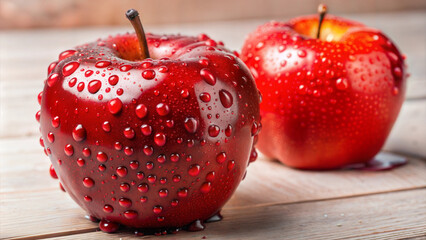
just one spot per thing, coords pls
(134, 19)
(322, 10)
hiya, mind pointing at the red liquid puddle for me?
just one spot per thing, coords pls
(381, 162)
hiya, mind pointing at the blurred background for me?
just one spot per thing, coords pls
(77, 13)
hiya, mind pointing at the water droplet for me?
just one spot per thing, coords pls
(88, 73)
(214, 130)
(102, 64)
(130, 214)
(69, 150)
(254, 128)
(106, 126)
(205, 97)
(72, 82)
(301, 53)
(52, 79)
(55, 122)
(228, 131)
(66, 54)
(160, 139)
(148, 74)
(108, 208)
(225, 98)
(115, 105)
(52, 172)
(163, 69)
(50, 137)
(81, 162)
(51, 67)
(141, 111)
(342, 84)
(149, 165)
(79, 133)
(174, 202)
(94, 86)
(194, 170)
(397, 72)
(101, 167)
(204, 61)
(210, 176)
(163, 192)
(107, 226)
(88, 182)
(184, 93)
(80, 86)
(143, 187)
(146, 129)
(162, 109)
(260, 45)
(125, 187)
(121, 171)
(101, 157)
(125, 68)
(395, 91)
(208, 76)
(176, 178)
(157, 209)
(125, 202)
(206, 187)
(183, 192)
(129, 133)
(148, 150)
(174, 157)
(86, 152)
(152, 178)
(231, 165)
(191, 124)
(70, 68)
(113, 80)
(221, 157)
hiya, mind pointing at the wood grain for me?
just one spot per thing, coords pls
(385, 216)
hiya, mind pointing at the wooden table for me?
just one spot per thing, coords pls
(273, 202)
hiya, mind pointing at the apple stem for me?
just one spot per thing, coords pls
(134, 19)
(322, 10)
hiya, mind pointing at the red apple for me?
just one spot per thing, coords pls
(160, 142)
(328, 101)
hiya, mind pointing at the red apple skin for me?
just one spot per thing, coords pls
(125, 161)
(327, 102)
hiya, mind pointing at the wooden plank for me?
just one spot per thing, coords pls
(35, 213)
(385, 216)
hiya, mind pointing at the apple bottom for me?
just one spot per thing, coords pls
(196, 205)
(303, 149)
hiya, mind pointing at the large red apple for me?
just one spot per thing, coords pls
(161, 142)
(328, 101)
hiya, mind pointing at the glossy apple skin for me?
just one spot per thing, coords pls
(161, 184)
(326, 104)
